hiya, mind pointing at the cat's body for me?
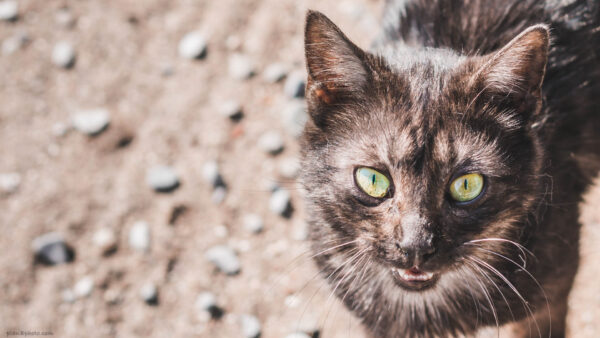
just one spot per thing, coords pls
(454, 88)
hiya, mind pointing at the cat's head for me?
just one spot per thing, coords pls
(423, 159)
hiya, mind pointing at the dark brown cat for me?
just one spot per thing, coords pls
(444, 170)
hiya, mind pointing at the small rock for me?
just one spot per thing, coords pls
(218, 195)
(211, 174)
(253, 223)
(113, 297)
(224, 258)
(60, 129)
(294, 85)
(292, 301)
(298, 335)
(233, 42)
(63, 55)
(64, 17)
(139, 236)
(91, 122)
(14, 43)
(68, 296)
(289, 167)
(294, 117)
(300, 232)
(271, 142)
(84, 287)
(250, 326)
(105, 240)
(275, 72)
(279, 203)
(240, 67)
(231, 109)
(51, 249)
(9, 182)
(149, 294)
(207, 301)
(9, 10)
(162, 178)
(192, 46)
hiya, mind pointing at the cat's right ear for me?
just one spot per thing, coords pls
(335, 64)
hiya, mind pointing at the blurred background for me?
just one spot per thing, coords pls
(148, 165)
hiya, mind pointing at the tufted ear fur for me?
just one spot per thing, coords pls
(335, 65)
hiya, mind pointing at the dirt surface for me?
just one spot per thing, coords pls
(164, 110)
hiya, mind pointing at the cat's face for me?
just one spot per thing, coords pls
(417, 159)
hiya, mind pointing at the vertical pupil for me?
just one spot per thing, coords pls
(373, 178)
(466, 184)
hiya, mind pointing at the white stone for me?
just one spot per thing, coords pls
(9, 10)
(297, 335)
(275, 72)
(240, 66)
(192, 46)
(294, 85)
(251, 327)
(289, 167)
(91, 122)
(14, 43)
(84, 287)
(279, 203)
(271, 142)
(139, 236)
(205, 301)
(10, 182)
(294, 117)
(253, 223)
(162, 178)
(149, 293)
(231, 109)
(224, 258)
(210, 173)
(218, 195)
(63, 55)
(105, 239)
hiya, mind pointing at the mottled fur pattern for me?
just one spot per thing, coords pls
(455, 87)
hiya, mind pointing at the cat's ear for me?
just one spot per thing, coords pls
(517, 70)
(335, 65)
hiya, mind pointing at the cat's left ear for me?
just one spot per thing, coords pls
(517, 70)
(335, 64)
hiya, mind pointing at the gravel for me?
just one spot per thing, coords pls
(84, 287)
(294, 117)
(271, 142)
(65, 18)
(289, 167)
(60, 129)
(275, 72)
(162, 178)
(51, 249)
(9, 10)
(224, 258)
(91, 122)
(253, 223)
(10, 182)
(298, 335)
(105, 240)
(13, 43)
(63, 55)
(279, 203)
(207, 302)
(240, 66)
(231, 109)
(295, 84)
(192, 46)
(139, 236)
(250, 326)
(149, 294)
(211, 174)
(218, 195)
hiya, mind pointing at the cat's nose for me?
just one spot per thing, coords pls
(415, 254)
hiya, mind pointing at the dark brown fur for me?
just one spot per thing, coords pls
(455, 87)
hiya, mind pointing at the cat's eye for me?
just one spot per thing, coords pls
(372, 182)
(466, 187)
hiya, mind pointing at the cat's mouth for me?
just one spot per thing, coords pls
(414, 278)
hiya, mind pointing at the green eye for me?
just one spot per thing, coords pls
(466, 187)
(372, 182)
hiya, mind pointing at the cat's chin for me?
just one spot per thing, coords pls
(414, 279)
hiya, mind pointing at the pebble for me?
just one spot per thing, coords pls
(271, 142)
(14, 43)
(233, 42)
(162, 178)
(218, 195)
(64, 17)
(10, 182)
(91, 122)
(51, 249)
(294, 85)
(192, 46)
(63, 55)
(300, 231)
(9, 10)
(68, 296)
(221, 231)
(60, 129)
(294, 117)
(240, 67)
(224, 258)
(279, 203)
(253, 223)
(207, 302)
(149, 294)
(275, 72)
(289, 167)
(139, 236)
(211, 174)
(84, 287)
(250, 326)
(231, 109)
(105, 240)
(298, 335)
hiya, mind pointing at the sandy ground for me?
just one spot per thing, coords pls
(167, 106)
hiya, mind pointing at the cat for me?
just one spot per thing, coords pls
(443, 170)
